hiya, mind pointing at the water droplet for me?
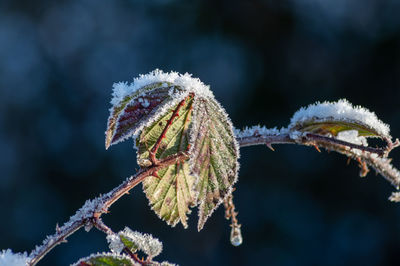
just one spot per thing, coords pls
(236, 236)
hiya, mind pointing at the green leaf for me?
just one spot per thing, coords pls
(134, 241)
(171, 193)
(335, 117)
(214, 156)
(207, 178)
(134, 110)
(334, 127)
(128, 242)
(106, 259)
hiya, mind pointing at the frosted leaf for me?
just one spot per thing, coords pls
(106, 259)
(143, 109)
(128, 115)
(171, 193)
(214, 156)
(140, 103)
(334, 117)
(133, 240)
(164, 79)
(8, 258)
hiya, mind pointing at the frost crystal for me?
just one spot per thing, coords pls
(186, 81)
(341, 110)
(8, 258)
(85, 212)
(145, 242)
(127, 119)
(258, 130)
(115, 256)
(352, 137)
(116, 244)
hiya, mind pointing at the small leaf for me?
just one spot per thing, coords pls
(134, 110)
(334, 127)
(147, 108)
(214, 156)
(105, 259)
(335, 117)
(171, 193)
(134, 241)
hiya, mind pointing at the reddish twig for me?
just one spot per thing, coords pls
(90, 213)
(373, 157)
(153, 151)
(316, 137)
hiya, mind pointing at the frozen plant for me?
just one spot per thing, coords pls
(188, 151)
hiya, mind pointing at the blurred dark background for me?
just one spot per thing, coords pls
(263, 60)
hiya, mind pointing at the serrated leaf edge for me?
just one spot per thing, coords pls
(104, 254)
(191, 164)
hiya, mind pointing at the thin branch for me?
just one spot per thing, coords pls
(308, 139)
(373, 157)
(259, 139)
(99, 224)
(316, 137)
(89, 214)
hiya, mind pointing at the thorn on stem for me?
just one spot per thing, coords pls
(316, 147)
(58, 230)
(363, 166)
(270, 146)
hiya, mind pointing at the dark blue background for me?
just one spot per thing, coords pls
(263, 60)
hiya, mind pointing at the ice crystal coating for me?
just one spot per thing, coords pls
(214, 156)
(148, 97)
(352, 137)
(170, 193)
(167, 114)
(8, 258)
(84, 213)
(115, 243)
(333, 117)
(144, 242)
(111, 259)
(123, 89)
(259, 130)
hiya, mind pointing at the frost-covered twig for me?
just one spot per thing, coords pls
(258, 136)
(89, 215)
(156, 110)
(363, 154)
